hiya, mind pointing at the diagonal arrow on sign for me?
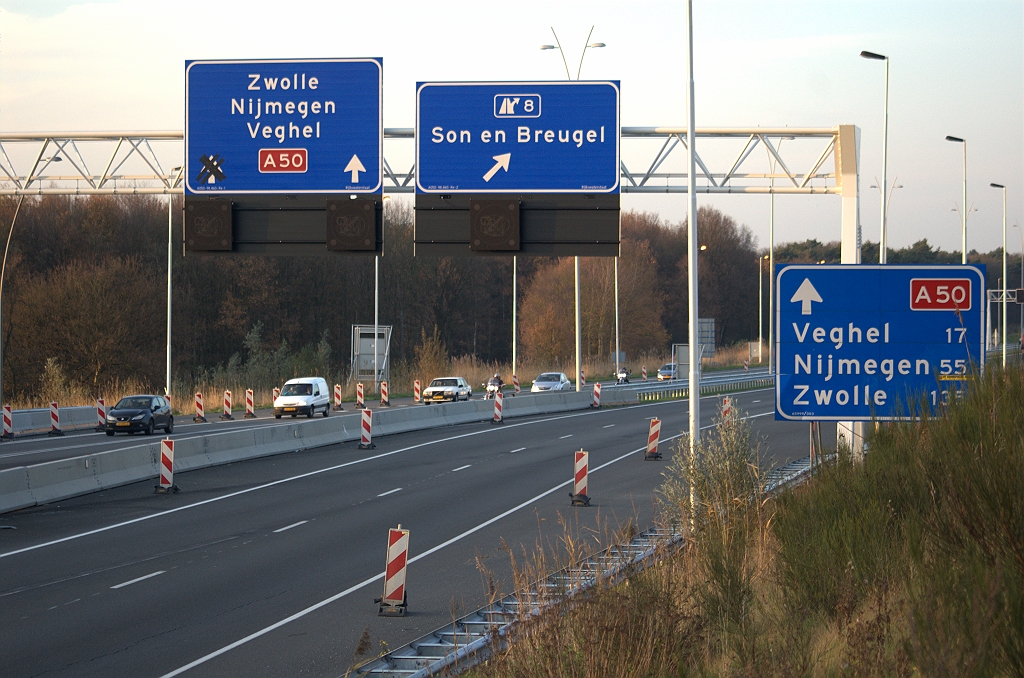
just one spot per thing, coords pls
(805, 294)
(501, 164)
(355, 167)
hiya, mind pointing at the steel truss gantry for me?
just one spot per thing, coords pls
(734, 160)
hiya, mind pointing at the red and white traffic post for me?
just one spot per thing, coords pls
(395, 601)
(653, 439)
(8, 422)
(643, 373)
(416, 391)
(55, 420)
(728, 411)
(277, 393)
(366, 438)
(583, 379)
(498, 403)
(579, 488)
(746, 364)
(250, 406)
(200, 417)
(384, 394)
(101, 415)
(166, 484)
(597, 395)
(360, 405)
(337, 398)
(227, 406)
(515, 385)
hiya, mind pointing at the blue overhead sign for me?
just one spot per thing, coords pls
(287, 126)
(510, 137)
(855, 342)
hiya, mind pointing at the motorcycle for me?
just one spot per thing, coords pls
(493, 386)
(623, 376)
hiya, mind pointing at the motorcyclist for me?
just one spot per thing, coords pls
(495, 381)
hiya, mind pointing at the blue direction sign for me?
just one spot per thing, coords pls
(289, 126)
(506, 137)
(855, 342)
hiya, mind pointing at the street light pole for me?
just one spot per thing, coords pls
(963, 215)
(3, 270)
(170, 261)
(882, 237)
(693, 383)
(760, 305)
(1003, 188)
(576, 260)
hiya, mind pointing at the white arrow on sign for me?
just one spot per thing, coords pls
(355, 167)
(805, 294)
(501, 164)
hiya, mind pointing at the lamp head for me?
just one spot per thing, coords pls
(955, 139)
(548, 47)
(872, 55)
(997, 186)
(597, 44)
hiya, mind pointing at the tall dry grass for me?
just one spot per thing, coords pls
(910, 564)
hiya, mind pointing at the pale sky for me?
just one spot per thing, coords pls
(957, 68)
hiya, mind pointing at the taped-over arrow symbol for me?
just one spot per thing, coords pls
(501, 164)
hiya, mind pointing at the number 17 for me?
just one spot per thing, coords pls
(949, 334)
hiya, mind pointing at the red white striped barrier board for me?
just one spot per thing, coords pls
(8, 422)
(579, 489)
(394, 600)
(597, 395)
(277, 393)
(166, 467)
(337, 397)
(746, 364)
(101, 415)
(643, 373)
(227, 406)
(653, 439)
(515, 384)
(200, 417)
(416, 391)
(359, 397)
(250, 406)
(366, 442)
(583, 379)
(55, 420)
(384, 394)
(497, 408)
(727, 409)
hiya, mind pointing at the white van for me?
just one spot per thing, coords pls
(303, 396)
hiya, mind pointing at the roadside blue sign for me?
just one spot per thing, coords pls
(860, 341)
(283, 126)
(510, 137)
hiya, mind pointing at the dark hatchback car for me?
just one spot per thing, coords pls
(140, 413)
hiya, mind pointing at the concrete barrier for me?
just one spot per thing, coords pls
(26, 421)
(26, 486)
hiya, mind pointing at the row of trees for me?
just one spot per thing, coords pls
(85, 290)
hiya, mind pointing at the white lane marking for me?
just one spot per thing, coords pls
(442, 545)
(461, 468)
(517, 450)
(288, 527)
(384, 494)
(338, 466)
(138, 579)
(608, 426)
(564, 437)
(757, 401)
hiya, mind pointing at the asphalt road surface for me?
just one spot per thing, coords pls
(269, 567)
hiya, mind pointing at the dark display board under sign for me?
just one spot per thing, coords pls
(856, 342)
(283, 126)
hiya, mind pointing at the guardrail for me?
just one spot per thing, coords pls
(458, 646)
(26, 486)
